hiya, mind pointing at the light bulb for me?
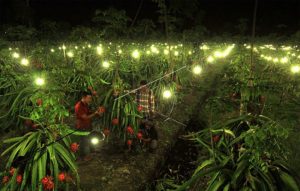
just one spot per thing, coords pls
(24, 62)
(197, 69)
(39, 81)
(167, 94)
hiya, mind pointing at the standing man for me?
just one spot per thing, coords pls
(145, 100)
(84, 123)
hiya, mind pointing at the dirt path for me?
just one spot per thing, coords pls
(115, 169)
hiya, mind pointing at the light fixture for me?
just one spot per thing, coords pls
(295, 69)
(95, 141)
(16, 55)
(24, 62)
(105, 64)
(135, 54)
(166, 52)
(39, 81)
(167, 94)
(284, 60)
(218, 54)
(70, 54)
(210, 59)
(99, 50)
(197, 69)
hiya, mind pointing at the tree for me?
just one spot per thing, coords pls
(144, 28)
(242, 26)
(112, 22)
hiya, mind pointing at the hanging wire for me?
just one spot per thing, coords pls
(134, 90)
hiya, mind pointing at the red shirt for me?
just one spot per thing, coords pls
(81, 109)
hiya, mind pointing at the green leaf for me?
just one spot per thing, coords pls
(203, 165)
(195, 177)
(239, 172)
(288, 181)
(226, 188)
(34, 172)
(15, 139)
(77, 132)
(216, 184)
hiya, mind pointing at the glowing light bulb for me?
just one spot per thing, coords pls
(95, 141)
(148, 52)
(64, 47)
(176, 53)
(52, 50)
(105, 64)
(190, 52)
(24, 62)
(197, 70)
(16, 55)
(135, 54)
(269, 58)
(89, 46)
(210, 59)
(39, 81)
(120, 51)
(99, 50)
(204, 47)
(154, 49)
(70, 54)
(295, 69)
(218, 54)
(166, 52)
(76, 47)
(284, 60)
(167, 94)
(287, 48)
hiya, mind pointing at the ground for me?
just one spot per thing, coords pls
(113, 168)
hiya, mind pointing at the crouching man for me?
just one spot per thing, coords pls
(150, 136)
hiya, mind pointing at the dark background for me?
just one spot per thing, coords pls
(218, 16)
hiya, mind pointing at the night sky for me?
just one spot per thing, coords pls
(281, 16)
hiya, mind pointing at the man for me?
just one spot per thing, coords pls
(145, 100)
(150, 135)
(84, 123)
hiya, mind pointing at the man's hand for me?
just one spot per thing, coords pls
(98, 113)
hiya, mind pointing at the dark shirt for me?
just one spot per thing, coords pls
(149, 132)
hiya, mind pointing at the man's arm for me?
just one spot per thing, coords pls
(85, 116)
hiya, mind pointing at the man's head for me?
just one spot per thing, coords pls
(148, 124)
(86, 97)
(143, 84)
